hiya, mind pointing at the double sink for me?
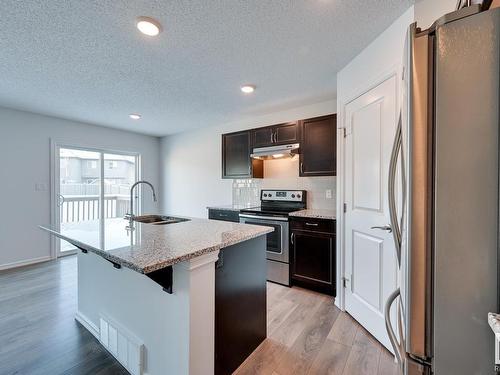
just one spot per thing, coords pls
(158, 219)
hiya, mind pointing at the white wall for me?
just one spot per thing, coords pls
(382, 58)
(191, 161)
(284, 174)
(428, 11)
(25, 162)
(386, 51)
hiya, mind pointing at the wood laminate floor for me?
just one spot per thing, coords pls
(38, 332)
(306, 333)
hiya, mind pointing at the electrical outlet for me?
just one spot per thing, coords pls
(328, 193)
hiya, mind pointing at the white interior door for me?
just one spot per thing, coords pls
(370, 261)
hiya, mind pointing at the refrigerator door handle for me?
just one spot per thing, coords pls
(402, 342)
(396, 150)
(390, 331)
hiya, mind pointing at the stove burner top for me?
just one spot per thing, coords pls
(271, 210)
(279, 202)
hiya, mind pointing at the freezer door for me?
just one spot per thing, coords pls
(466, 193)
(417, 154)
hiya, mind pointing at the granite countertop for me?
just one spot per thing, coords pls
(231, 207)
(494, 322)
(316, 214)
(152, 247)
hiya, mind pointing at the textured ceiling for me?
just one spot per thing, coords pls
(85, 60)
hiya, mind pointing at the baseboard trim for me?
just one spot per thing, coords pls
(84, 321)
(22, 263)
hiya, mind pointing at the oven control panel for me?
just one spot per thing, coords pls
(283, 195)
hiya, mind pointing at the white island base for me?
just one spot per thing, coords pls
(148, 330)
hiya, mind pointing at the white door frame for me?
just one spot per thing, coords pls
(394, 70)
(55, 146)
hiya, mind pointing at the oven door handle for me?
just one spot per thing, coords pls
(275, 218)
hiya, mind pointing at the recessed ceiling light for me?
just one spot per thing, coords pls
(148, 26)
(135, 116)
(247, 89)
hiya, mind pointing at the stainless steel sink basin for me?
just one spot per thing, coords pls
(158, 219)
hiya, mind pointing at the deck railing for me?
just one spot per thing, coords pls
(75, 208)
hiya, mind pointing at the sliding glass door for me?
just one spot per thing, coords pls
(92, 186)
(120, 173)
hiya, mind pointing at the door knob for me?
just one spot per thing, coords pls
(387, 227)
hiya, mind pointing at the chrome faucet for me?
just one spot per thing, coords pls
(130, 216)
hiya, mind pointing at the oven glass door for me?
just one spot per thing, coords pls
(277, 241)
(273, 238)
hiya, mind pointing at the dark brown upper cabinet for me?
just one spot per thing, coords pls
(276, 135)
(236, 161)
(263, 136)
(318, 146)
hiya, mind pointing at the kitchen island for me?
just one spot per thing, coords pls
(173, 298)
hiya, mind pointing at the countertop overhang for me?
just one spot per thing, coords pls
(149, 247)
(494, 322)
(315, 214)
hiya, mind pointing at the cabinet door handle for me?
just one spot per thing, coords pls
(272, 137)
(292, 238)
(301, 167)
(312, 224)
(276, 137)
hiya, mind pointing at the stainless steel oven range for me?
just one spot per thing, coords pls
(273, 212)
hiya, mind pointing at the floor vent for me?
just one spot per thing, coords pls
(127, 349)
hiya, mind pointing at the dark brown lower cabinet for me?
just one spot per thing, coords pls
(313, 255)
(224, 215)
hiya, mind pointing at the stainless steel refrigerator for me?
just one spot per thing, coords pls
(447, 156)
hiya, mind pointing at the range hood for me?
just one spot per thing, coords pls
(275, 152)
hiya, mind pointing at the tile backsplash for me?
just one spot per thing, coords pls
(284, 174)
(246, 192)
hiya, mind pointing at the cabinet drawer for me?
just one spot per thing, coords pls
(224, 215)
(315, 225)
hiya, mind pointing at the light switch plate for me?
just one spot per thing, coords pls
(40, 186)
(328, 193)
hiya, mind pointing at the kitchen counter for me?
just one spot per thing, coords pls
(153, 247)
(230, 207)
(494, 322)
(315, 214)
(171, 292)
